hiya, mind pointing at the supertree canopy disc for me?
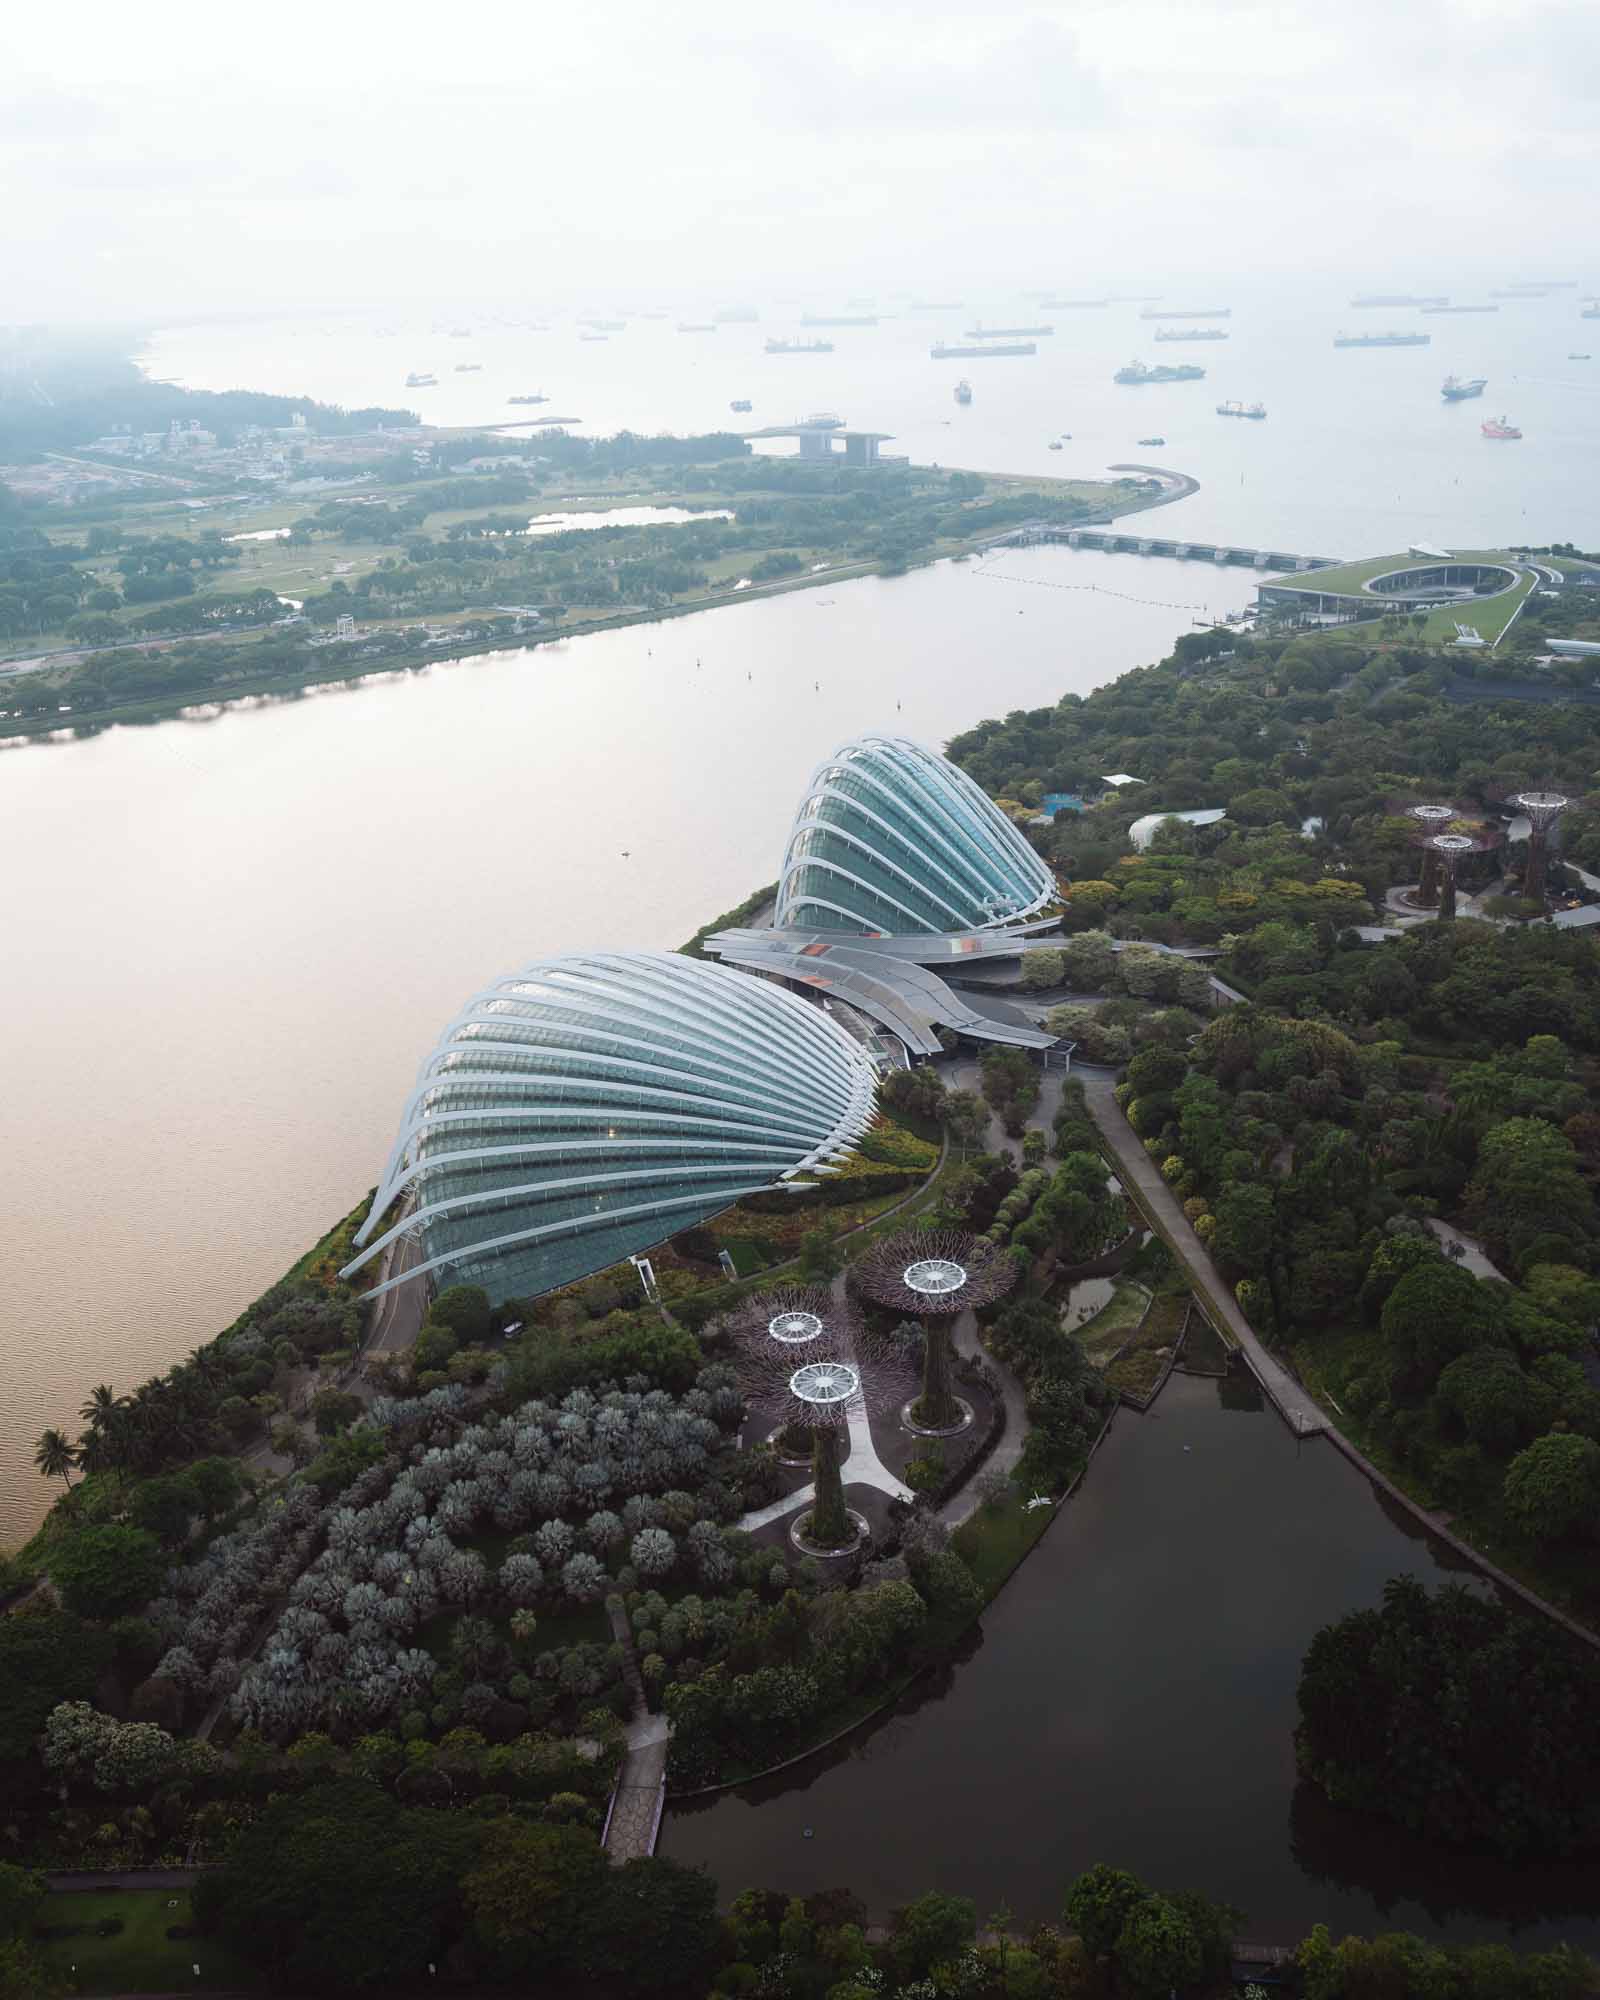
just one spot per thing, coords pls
(932, 1272)
(1452, 844)
(825, 1385)
(794, 1329)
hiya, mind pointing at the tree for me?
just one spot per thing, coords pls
(334, 1410)
(465, 1310)
(101, 1572)
(1244, 1227)
(1435, 1312)
(343, 1887)
(1157, 1952)
(928, 1932)
(45, 1657)
(1552, 1490)
(55, 1456)
(1089, 962)
(1099, 1905)
(966, 1117)
(532, 1893)
(656, 1926)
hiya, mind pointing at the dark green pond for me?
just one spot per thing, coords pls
(1131, 1698)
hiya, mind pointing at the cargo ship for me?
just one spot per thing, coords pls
(1400, 299)
(1497, 427)
(799, 346)
(1005, 332)
(963, 391)
(942, 351)
(838, 319)
(741, 406)
(1460, 309)
(1457, 391)
(1140, 372)
(1192, 333)
(1521, 292)
(416, 380)
(469, 367)
(1382, 339)
(527, 399)
(1214, 312)
(1254, 411)
(1154, 440)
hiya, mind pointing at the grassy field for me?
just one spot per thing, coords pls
(1138, 1367)
(1101, 1336)
(141, 1958)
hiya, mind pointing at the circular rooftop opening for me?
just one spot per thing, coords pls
(825, 1384)
(934, 1277)
(1441, 582)
(792, 1328)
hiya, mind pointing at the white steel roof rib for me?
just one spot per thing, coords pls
(925, 824)
(578, 1109)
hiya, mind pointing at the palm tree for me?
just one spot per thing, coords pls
(97, 1410)
(55, 1457)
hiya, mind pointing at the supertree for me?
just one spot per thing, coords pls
(1448, 848)
(820, 1368)
(1543, 810)
(934, 1274)
(1432, 819)
(789, 1322)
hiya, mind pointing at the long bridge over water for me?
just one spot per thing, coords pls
(1131, 541)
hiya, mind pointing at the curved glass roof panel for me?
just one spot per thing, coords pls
(892, 838)
(581, 1109)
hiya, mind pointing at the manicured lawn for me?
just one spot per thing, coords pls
(996, 1539)
(141, 1958)
(1102, 1335)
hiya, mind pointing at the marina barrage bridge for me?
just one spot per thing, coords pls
(1129, 541)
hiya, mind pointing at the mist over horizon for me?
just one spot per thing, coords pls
(307, 163)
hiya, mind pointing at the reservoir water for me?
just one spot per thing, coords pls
(1130, 1698)
(234, 937)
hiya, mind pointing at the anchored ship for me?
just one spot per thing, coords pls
(527, 399)
(1497, 427)
(1140, 372)
(1255, 411)
(417, 380)
(799, 346)
(941, 351)
(1382, 339)
(1460, 309)
(1192, 333)
(741, 405)
(1457, 391)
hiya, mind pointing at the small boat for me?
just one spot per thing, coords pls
(963, 392)
(1580, 357)
(1254, 411)
(1152, 440)
(741, 405)
(1497, 427)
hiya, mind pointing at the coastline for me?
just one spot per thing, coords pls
(197, 704)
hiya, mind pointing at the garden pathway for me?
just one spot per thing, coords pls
(635, 1816)
(1471, 1256)
(863, 1467)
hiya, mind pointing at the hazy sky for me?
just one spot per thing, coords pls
(182, 156)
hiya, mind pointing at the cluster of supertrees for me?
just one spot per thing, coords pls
(1447, 834)
(934, 1275)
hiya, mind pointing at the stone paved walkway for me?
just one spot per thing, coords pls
(641, 1788)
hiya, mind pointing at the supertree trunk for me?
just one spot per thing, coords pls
(830, 1525)
(1538, 864)
(1428, 887)
(794, 1441)
(1447, 896)
(936, 1409)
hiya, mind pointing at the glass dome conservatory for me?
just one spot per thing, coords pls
(892, 838)
(582, 1109)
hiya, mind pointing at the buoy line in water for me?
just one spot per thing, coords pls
(1044, 583)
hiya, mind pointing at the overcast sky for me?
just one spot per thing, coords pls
(178, 157)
